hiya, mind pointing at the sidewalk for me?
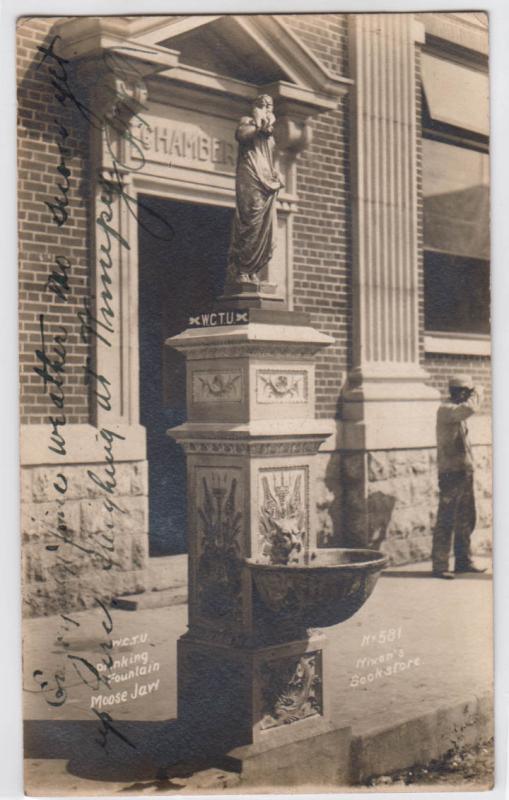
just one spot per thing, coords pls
(439, 632)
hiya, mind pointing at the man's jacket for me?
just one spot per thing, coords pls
(454, 451)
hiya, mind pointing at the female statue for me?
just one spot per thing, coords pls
(256, 186)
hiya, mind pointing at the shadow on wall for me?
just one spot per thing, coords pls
(372, 515)
(376, 511)
(384, 500)
(329, 505)
(366, 521)
(380, 508)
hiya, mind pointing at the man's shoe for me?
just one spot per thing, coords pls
(469, 568)
(444, 573)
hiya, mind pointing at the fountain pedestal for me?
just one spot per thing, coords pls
(250, 673)
(250, 441)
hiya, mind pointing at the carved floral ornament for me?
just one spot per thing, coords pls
(219, 525)
(291, 689)
(280, 386)
(214, 387)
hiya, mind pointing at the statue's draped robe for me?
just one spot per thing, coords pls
(256, 188)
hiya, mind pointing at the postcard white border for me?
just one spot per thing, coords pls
(10, 603)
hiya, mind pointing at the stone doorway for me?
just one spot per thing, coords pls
(182, 255)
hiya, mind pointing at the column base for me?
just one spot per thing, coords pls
(388, 407)
(387, 441)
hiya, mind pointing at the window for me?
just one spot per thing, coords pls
(456, 198)
(457, 294)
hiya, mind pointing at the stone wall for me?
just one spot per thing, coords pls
(388, 499)
(66, 558)
(482, 540)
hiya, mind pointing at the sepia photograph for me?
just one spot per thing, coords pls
(255, 403)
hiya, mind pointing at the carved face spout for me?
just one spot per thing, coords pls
(286, 541)
(283, 516)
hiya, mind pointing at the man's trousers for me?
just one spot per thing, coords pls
(456, 517)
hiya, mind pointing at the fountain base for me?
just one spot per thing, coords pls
(253, 692)
(308, 759)
(264, 708)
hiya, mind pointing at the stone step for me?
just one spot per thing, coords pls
(176, 595)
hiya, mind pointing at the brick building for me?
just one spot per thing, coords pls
(126, 191)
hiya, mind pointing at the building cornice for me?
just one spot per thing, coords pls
(310, 84)
(455, 30)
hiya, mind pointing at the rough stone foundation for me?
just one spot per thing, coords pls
(389, 499)
(386, 499)
(64, 567)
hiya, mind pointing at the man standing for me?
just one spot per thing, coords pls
(456, 509)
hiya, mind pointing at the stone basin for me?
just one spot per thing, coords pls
(329, 589)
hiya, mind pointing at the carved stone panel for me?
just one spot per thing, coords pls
(219, 505)
(281, 386)
(283, 514)
(291, 689)
(216, 386)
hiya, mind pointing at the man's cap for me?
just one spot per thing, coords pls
(461, 382)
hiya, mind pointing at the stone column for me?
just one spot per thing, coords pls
(387, 406)
(385, 226)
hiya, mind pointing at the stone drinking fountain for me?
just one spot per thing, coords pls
(252, 669)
